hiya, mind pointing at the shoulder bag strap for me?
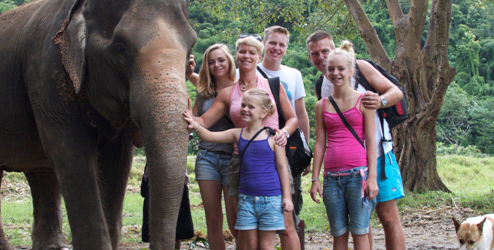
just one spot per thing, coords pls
(344, 120)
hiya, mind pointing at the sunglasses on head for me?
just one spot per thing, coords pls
(257, 37)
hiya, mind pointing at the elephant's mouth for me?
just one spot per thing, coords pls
(135, 133)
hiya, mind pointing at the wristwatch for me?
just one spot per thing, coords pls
(286, 133)
(383, 101)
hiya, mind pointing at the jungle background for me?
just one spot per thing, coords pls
(466, 119)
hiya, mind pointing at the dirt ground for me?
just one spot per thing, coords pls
(430, 228)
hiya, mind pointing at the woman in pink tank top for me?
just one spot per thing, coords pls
(350, 184)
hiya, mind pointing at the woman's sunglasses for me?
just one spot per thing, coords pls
(257, 37)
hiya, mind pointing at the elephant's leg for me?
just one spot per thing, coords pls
(47, 210)
(4, 244)
(115, 160)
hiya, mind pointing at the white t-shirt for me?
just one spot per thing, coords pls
(388, 146)
(290, 78)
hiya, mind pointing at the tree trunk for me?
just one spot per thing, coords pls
(424, 73)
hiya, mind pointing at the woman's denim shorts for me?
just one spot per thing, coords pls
(260, 212)
(212, 166)
(345, 208)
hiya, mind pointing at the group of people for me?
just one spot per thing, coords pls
(242, 156)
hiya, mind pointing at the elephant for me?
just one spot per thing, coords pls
(80, 81)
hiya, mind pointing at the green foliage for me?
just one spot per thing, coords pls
(7, 5)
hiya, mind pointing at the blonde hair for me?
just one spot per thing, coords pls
(206, 86)
(276, 29)
(346, 50)
(263, 97)
(250, 41)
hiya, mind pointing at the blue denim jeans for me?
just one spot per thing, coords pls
(345, 206)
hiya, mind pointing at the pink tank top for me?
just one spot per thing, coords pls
(236, 105)
(343, 151)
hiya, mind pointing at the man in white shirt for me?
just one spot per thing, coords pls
(275, 45)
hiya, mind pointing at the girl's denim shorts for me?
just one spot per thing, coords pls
(260, 212)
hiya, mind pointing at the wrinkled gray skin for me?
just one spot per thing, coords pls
(78, 80)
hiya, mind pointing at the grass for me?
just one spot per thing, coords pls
(470, 179)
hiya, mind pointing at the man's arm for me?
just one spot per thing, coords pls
(303, 118)
(381, 84)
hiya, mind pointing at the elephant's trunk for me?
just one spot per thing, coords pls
(158, 97)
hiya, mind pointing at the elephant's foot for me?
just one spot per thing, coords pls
(54, 243)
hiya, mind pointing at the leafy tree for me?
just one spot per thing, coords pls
(424, 71)
(6, 5)
(482, 130)
(455, 121)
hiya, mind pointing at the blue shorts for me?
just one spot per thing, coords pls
(345, 208)
(212, 166)
(260, 212)
(392, 187)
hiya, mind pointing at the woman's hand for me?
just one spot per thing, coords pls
(314, 190)
(371, 188)
(280, 138)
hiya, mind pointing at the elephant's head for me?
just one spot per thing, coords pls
(128, 57)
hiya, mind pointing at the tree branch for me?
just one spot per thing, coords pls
(368, 33)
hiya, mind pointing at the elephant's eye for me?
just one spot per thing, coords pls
(118, 55)
(120, 48)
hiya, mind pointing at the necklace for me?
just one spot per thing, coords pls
(243, 88)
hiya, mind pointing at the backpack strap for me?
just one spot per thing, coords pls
(274, 84)
(318, 87)
(262, 72)
(347, 125)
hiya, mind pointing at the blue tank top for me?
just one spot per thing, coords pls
(258, 174)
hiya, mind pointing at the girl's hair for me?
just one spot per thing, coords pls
(251, 41)
(206, 86)
(346, 50)
(263, 97)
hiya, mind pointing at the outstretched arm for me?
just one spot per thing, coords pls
(219, 108)
(227, 136)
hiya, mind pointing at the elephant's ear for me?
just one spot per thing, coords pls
(72, 41)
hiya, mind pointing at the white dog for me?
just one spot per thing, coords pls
(476, 233)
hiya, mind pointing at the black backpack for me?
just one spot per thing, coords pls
(395, 114)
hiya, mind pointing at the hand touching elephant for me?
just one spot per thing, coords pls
(79, 80)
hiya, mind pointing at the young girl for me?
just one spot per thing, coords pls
(264, 184)
(349, 169)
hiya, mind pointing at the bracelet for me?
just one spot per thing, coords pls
(198, 127)
(315, 179)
